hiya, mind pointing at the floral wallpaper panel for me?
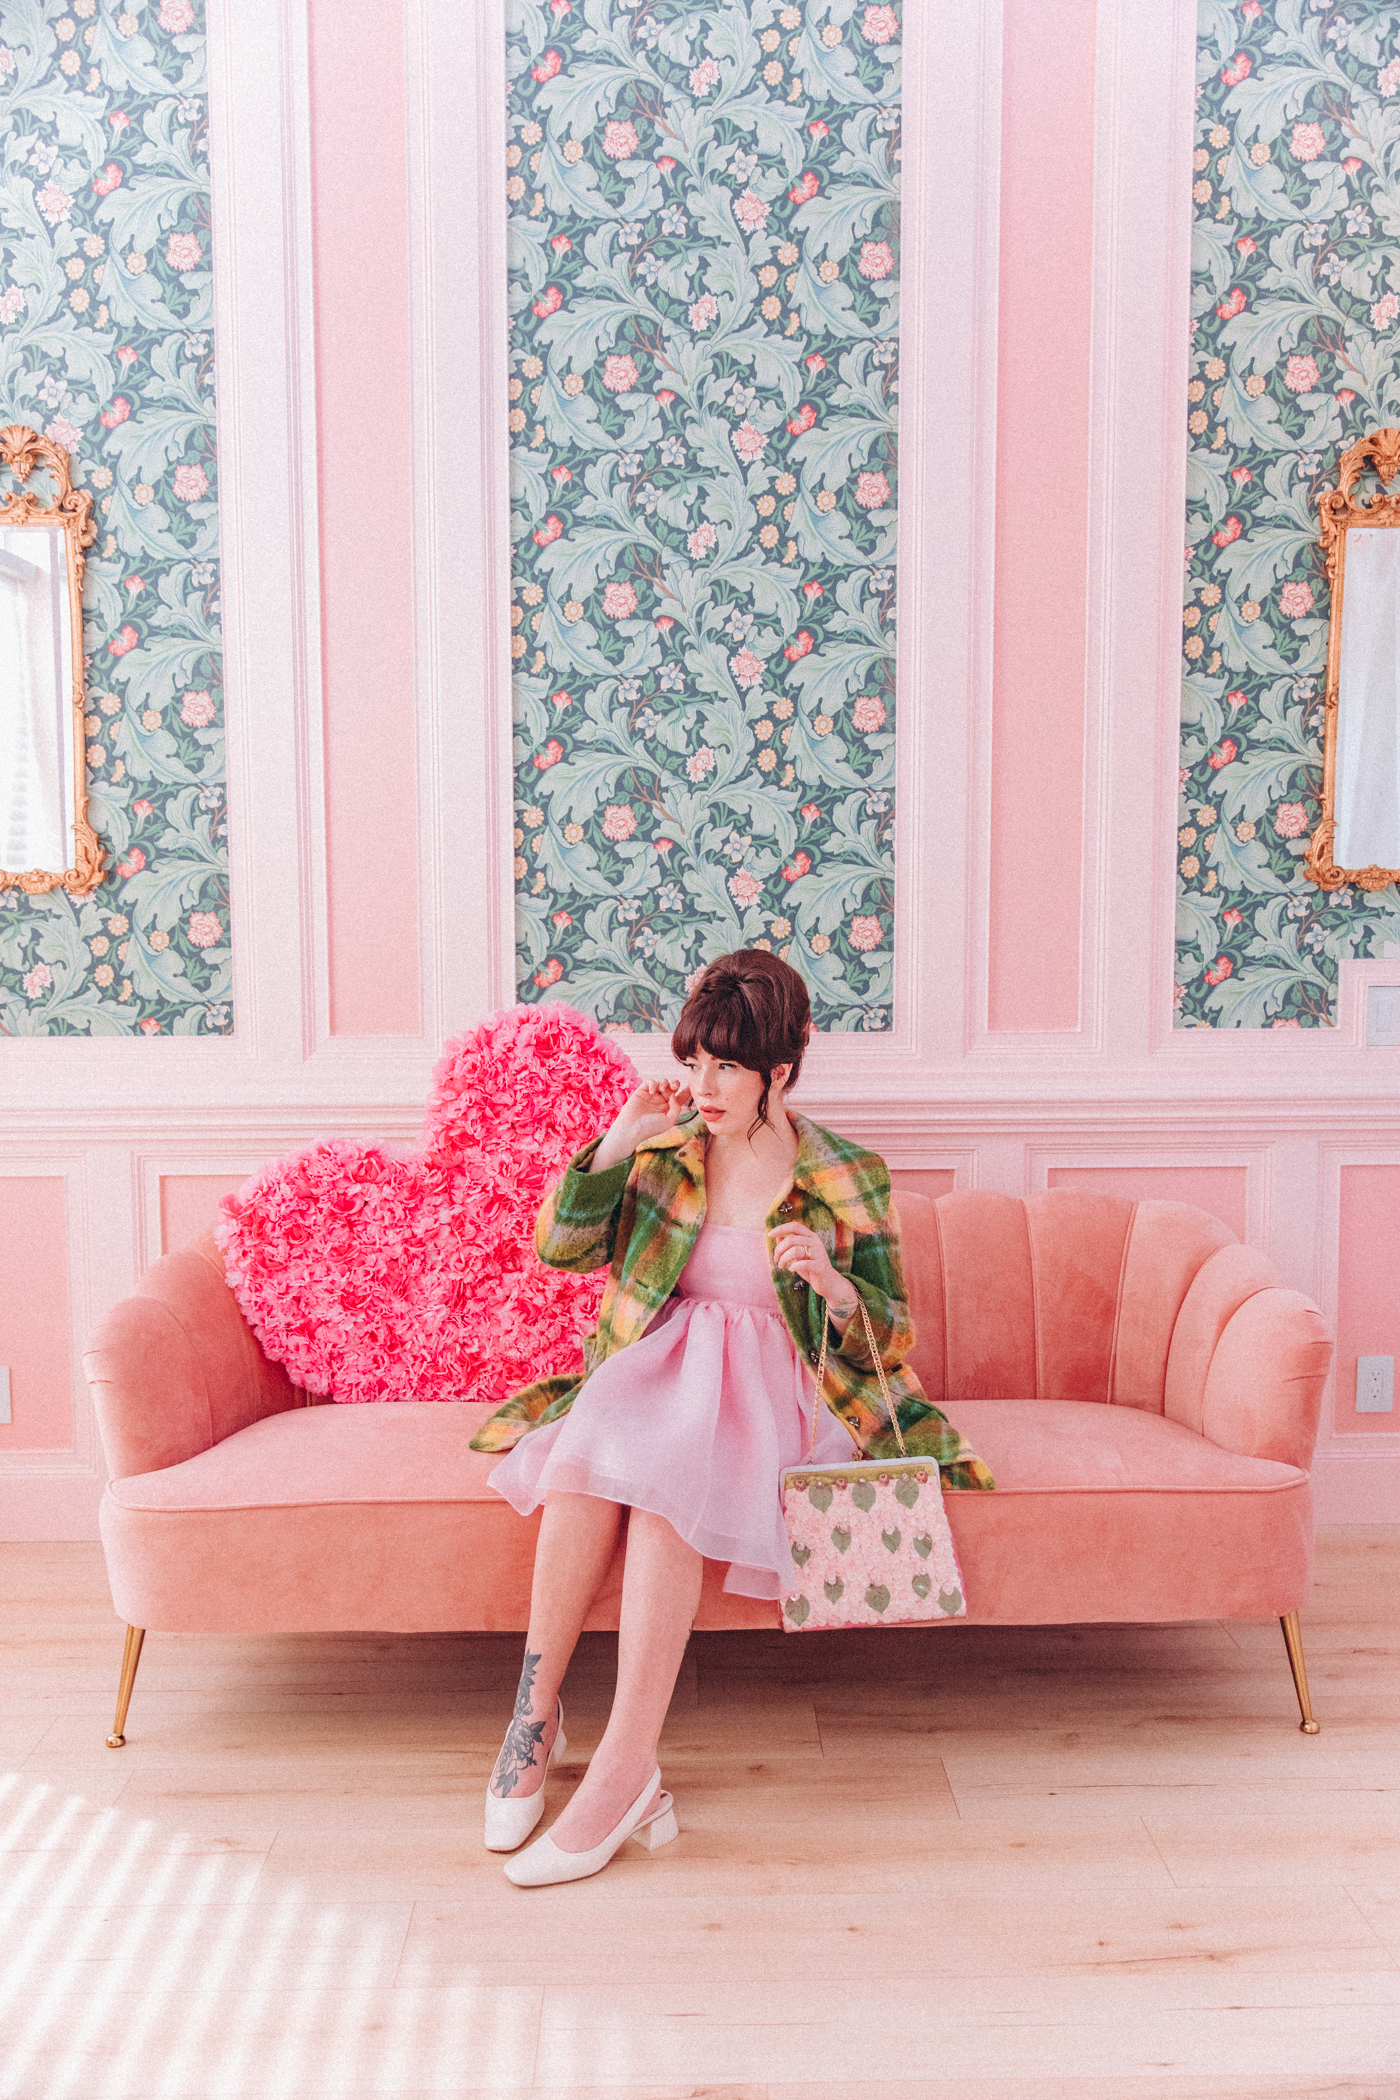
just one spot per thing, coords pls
(106, 344)
(1294, 339)
(704, 244)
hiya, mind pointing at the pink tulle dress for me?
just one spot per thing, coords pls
(695, 1420)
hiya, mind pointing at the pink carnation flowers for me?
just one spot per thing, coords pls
(374, 1276)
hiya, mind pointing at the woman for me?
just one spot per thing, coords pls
(735, 1230)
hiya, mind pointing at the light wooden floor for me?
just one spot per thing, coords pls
(1055, 1864)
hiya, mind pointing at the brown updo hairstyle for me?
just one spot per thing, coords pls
(752, 1009)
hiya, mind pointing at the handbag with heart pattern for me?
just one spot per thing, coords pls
(870, 1540)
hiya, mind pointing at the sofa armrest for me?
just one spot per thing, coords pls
(176, 1368)
(1263, 1391)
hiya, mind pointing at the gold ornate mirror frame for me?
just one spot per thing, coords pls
(1342, 512)
(69, 509)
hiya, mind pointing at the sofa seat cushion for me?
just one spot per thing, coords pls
(1053, 1447)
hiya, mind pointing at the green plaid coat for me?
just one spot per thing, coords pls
(644, 1215)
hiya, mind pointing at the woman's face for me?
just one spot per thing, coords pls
(727, 1094)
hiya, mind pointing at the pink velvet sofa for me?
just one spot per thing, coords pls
(1144, 1390)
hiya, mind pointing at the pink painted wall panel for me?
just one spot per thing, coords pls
(34, 1313)
(924, 1181)
(1223, 1191)
(189, 1206)
(359, 200)
(1368, 1293)
(1042, 492)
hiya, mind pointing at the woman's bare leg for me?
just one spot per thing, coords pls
(578, 1537)
(660, 1592)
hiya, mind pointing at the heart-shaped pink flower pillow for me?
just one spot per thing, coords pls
(377, 1276)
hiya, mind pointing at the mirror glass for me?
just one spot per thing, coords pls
(36, 699)
(1367, 790)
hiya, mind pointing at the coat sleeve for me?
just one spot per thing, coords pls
(577, 1225)
(878, 1274)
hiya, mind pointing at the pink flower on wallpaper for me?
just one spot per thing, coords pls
(544, 535)
(620, 139)
(748, 443)
(561, 244)
(561, 7)
(619, 374)
(1240, 475)
(117, 414)
(1290, 820)
(110, 179)
(664, 622)
(60, 431)
(868, 712)
(1224, 754)
(124, 642)
(805, 188)
(865, 934)
(561, 918)
(619, 601)
(1245, 246)
(876, 259)
(1295, 599)
(1235, 304)
(1251, 10)
(1237, 698)
(1223, 968)
(127, 357)
(799, 646)
(816, 362)
(190, 484)
(750, 211)
(619, 821)
(1229, 531)
(549, 302)
(745, 888)
(54, 203)
(176, 16)
(812, 591)
(702, 540)
(1345, 396)
(1385, 311)
(1232, 918)
(804, 419)
(1388, 79)
(665, 163)
(547, 68)
(747, 668)
(704, 77)
(797, 867)
(143, 808)
(880, 26)
(1239, 68)
(36, 980)
(150, 1026)
(133, 864)
(550, 756)
(559, 475)
(1351, 165)
(205, 929)
(1301, 375)
(7, 61)
(562, 699)
(817, 130)
(183, 252)
(197, 710)
(811, 811)
(11, 305)
(665, 396)
(700, 763)
(704, 311)
(550, 974)
(872, 490)
(1307, 141)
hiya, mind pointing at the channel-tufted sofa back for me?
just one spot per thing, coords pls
(1074, 1296)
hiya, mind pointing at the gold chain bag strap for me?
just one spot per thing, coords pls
(869, 1539)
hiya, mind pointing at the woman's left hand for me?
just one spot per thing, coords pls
(798, 1249)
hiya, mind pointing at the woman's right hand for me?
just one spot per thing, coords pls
(654, 1106)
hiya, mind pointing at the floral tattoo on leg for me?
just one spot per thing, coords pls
(524, 1736)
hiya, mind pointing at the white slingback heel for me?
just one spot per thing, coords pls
(510, 1819)
(545, 1864)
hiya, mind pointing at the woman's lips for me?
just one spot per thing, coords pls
(712, 1112)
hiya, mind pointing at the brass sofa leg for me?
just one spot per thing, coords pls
(1293, 1641)
(131, 1656)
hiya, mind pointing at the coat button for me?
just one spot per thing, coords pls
(799, 1285)
(784, 1210)
(811, 1356)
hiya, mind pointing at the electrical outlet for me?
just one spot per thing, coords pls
(4, 1392)
(1382, 1015)
(1375, 1385)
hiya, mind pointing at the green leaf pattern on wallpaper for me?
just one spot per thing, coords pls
(703, 394)
(1294, 342)
(106, 344)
